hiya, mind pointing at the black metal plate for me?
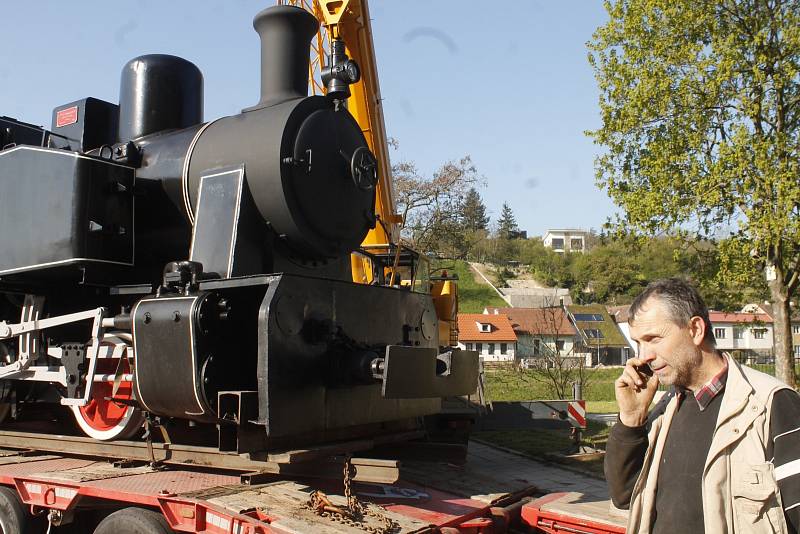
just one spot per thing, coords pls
(410, 372)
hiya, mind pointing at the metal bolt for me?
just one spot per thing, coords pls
(147, 318)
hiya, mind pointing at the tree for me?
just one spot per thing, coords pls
(507, 223)
(699, 105)
(473, 212)
(555, 364)
(431, 206)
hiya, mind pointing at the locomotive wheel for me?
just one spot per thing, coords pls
(134, 521)
(103, 418)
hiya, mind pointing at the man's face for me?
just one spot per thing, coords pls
(666, 346)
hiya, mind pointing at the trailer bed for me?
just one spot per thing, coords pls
(429, 495)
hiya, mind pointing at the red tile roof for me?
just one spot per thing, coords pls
(738, 317)
(537, 321)
(468, 328)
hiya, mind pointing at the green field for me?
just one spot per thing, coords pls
(472, 296)
(512, 385)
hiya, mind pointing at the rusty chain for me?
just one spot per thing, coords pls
(352, 514)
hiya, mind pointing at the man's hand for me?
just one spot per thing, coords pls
(634, 392)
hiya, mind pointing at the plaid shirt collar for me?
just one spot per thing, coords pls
(710, 389)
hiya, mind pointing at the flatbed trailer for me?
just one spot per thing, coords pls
(113, 488)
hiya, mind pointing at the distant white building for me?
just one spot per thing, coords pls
(565, 240)
(748, 333)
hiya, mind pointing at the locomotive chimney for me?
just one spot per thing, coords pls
(286, 34)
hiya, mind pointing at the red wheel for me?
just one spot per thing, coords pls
(103, 418)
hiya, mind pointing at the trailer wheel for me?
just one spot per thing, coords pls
(134, 521)
(14, 518)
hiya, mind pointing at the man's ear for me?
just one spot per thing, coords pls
(697, 329)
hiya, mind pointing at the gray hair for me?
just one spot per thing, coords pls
(681, 300)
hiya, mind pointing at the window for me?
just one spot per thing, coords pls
(719, 333)
(738, 333)
(759, 333)
(479, 347)
(537, 346)
(491, 348)
(484, 327)
(593, 333)
(469, 346)
(796, 329)
(557, 243)
(503, 348)
(559, 345)
(588, 317)
(797, 351)
(576, 244)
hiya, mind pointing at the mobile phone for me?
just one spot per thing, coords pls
(644, 370)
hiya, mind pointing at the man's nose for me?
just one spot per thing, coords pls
(647, 355)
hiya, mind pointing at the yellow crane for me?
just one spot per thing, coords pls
(348, 22)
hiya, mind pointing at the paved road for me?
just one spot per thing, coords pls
(503, 464)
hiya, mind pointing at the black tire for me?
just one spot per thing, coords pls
(14, 517)
(134, 521)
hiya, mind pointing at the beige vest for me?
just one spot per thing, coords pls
(740, 494)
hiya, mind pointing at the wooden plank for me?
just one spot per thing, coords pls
(574, 504)
(365, 470)
(286, 501)
(95, 471)
(342, 447)
(169, 453)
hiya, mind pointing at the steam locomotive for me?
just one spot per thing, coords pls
(156, 266)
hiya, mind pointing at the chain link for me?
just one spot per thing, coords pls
(354, 511)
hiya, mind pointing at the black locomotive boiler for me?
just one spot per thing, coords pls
(156, 266)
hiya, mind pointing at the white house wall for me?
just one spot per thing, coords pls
(748, 341)
(525, 344)
(509, 356)
(626, 331)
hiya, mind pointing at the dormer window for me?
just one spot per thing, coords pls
(484, 327)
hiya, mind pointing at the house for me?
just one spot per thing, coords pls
(540, 331)
(620, 315)
(795, 322)
(521, 295)
(747, 336)
(599, 337)
(491, 335)
(566, 240)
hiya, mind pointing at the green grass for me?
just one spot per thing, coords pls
(601, 407)
(473, 297)
(511, 385)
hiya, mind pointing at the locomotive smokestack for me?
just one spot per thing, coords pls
(286, 34)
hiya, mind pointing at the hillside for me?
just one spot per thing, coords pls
(473, 293)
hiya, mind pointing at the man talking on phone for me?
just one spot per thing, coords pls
(720, 452)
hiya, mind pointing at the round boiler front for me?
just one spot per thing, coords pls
(307, 167)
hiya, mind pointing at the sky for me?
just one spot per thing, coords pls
(507, 83)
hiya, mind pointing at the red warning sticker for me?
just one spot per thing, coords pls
(66, 116)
